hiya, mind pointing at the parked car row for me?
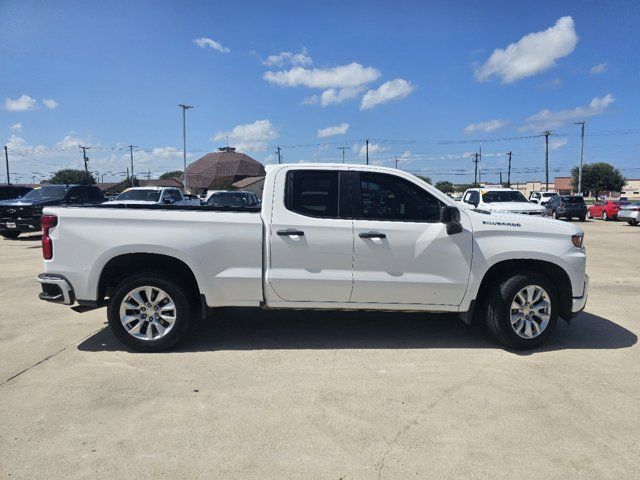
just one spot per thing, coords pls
(21, 214)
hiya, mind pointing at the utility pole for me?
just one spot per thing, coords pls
(278, 149)
(131, 147)
(184, 108)
(343, 149)
(480, 165)
(509, 171)
(581, 155)
(127, 172)
(367, 145)
(546, 158)
(500, 177)
(6, 159)
(475, 173)
(85, 158)
(148, 174)
(396, 161)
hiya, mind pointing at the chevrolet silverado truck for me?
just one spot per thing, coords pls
(325, 237)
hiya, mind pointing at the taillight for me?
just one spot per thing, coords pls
(47, 222)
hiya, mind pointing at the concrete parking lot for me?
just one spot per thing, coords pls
(254, 394)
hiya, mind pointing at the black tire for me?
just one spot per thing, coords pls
(177, 293)
(582, 219)
(10, 234)
(556, 216)
(498, 309)
(632, 222)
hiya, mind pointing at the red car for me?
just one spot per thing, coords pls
(607, 210)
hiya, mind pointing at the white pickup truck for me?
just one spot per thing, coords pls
(326, 237)
(154, 196)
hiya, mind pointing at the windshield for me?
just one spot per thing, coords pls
(228, 199)
(503, 196)
(572, 199)
(140, 195)
(46, 193)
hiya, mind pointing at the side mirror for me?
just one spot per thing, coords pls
(450, 216)
(475, 203)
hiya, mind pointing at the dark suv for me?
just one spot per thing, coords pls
(23, 214)
(567, 206)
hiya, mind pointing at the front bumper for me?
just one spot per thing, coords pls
(20, 224)
(56, 289)
(580, 302)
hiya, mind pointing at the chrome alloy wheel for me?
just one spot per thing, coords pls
(530, 311)
(147, 313)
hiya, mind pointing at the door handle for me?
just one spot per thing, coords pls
(290, 233)
(372, 235)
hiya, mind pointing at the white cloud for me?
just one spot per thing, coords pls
(50, 103)
(334, 96)
(333, 130)
(532, 54)
(488, 126)
(374, 148)
(25, 102)
(312, 100)
(249, 137)
(16, 127)
(204, 42)
(396, 89)
(546, 118)
(556, 143)
(284, 58)
(599, 68)
(351, 75)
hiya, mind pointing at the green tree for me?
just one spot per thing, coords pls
(69, 176)
(171, 174)
(445, 187)
(598, 177)
(426, 179)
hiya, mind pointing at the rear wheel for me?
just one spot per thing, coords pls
(556, 216)
(149, 312)
(522, 310)
(582, 219)
(632, 222)
(10, 234)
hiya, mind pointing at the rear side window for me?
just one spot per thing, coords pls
(175, 194)
(314, 193)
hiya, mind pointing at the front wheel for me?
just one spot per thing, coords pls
(522, 310)
(582, 218)
(11, 234)
(149, 312)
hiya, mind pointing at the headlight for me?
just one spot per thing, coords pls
(577, 240)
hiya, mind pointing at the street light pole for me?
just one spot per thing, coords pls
(581, 154)
(184, 108)
(131, 147)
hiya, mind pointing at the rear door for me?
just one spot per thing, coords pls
(311, 237)
(403, 254)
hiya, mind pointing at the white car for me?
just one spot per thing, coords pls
(154, 196)
(330, 236)
(504, 200)
(541, 198)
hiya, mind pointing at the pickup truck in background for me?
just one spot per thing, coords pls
(331, 236)
(22, 215)
(155, 196)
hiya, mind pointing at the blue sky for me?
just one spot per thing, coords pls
(427, 81)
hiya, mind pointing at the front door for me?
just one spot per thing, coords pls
(311, 237)
(402, 252)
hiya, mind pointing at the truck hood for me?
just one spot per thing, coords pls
(527, 224)
(513, 207)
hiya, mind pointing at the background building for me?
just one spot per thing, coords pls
(220, 170)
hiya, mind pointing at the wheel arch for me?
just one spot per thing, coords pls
(121, 266)
(554, 273)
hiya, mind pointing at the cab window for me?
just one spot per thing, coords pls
(314, 193)
(391, 198)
